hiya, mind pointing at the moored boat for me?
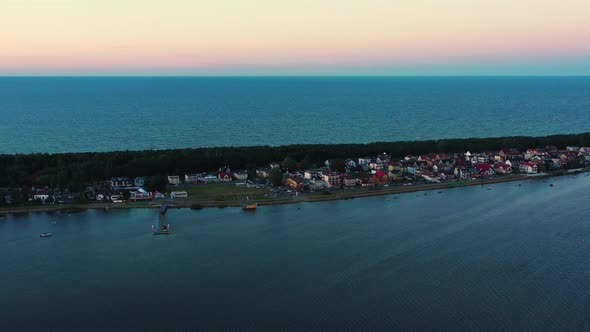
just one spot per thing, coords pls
(249, 206)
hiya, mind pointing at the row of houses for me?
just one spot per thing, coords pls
(441, 167)
(383, 169)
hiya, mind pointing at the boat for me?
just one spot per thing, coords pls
(249, 206)
(46, 234)
(163, 230)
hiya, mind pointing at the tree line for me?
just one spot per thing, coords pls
(75, 170)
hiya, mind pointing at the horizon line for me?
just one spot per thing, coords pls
(292, 76)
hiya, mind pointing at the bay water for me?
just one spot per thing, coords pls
(514, 256)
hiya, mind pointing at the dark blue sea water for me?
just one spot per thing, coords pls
(510, 258)
(102, 114)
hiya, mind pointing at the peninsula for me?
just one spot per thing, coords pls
(219, 177)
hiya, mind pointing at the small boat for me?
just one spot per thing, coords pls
(46, 234)
(551, 185)
(489, 188)
(250, 206)
(164, 230)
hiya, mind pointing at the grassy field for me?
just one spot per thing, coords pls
(220, 191)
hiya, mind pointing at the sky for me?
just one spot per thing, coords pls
(295, 37)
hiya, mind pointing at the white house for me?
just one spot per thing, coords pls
(364, 161)
(173, 179)
(41, 196)
(120, 182)
(526, 167)
(262, 173)
(241, 176)
(178, 194)
(193, 178)
(210, 178)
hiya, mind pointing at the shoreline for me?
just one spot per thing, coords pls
(335, 195)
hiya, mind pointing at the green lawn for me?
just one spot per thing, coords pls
(223, 191)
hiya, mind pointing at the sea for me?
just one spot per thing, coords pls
(80, 114)
(508, 256)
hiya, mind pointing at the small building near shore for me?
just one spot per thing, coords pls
(140, 195)
(120, 182)
(173, 179)
(262, 172)
(295, 183)
(350, 181)
(192, 178)
(332, 180)
(42, 194)
(224, 176)
(241, 175)
(528, 168)
(139, 181)
(210, 178)
(502, 168)
(381, 177)
(178, 194)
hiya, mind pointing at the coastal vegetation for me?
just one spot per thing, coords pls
(74, 170)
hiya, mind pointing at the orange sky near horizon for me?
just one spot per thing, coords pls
(110, 37)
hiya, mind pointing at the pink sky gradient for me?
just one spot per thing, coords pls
(201, 37)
